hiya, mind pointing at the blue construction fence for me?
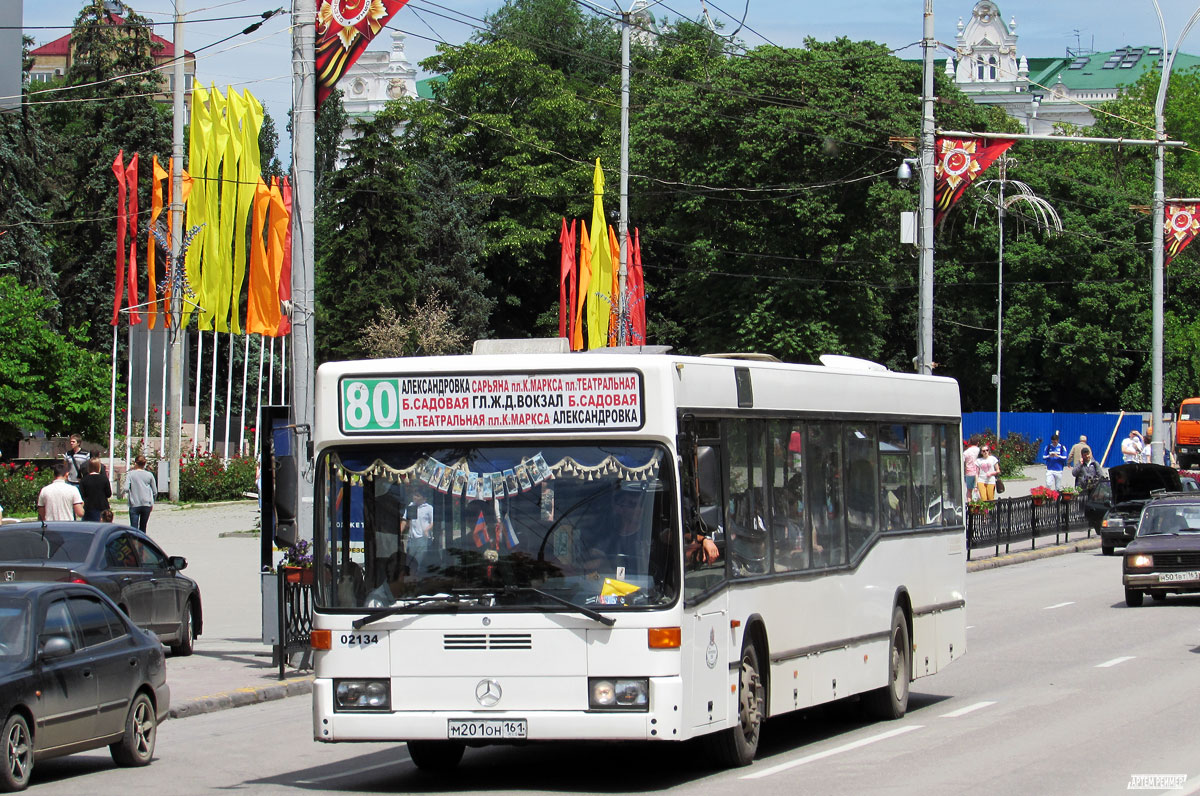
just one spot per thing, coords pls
(1038, 426)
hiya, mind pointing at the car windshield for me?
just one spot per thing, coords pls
(14, 630)
(32, 543)
(518, 526)
(1170, 519)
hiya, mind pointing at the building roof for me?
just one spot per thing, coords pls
(425, 87)
(62, 45)
(1105, 70)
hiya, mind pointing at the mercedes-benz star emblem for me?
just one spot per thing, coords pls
(9, 575)
(488, 693)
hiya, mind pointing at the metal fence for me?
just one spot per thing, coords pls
(1017, 520)
(1037, 427)
(295, 622)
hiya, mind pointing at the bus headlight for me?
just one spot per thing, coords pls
(609, 693)
(362, 695)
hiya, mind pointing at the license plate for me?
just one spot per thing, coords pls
(1171, 577)
(483, 729)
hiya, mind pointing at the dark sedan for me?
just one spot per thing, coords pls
(1131, 485)
(123, 563)
(75, 674)
(1165, 556)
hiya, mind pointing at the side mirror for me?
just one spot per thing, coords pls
(708, 475)
(177, 562)
(56, 647)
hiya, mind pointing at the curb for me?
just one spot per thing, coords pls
(1033, 555)
(242, 697)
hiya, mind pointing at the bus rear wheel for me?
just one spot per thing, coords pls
(891, 701)
(737, 745)
(436, 757)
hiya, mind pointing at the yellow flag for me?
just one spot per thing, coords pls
(598, 286)
(199, 131)
(251, 114)
(214, 263)
(232, 151)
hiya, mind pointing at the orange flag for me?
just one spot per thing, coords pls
(585, 277)
(131, 291)
(262, 297)
(156, 206)
(285, 276)
(280, 223)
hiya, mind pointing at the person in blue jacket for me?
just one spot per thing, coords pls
(1055, 456)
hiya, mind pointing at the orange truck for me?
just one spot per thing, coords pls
(1187, 434)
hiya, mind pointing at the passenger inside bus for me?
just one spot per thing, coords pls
(395, 572)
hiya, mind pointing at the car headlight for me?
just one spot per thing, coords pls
(608, 693)
(1140, 560)
(362, 695)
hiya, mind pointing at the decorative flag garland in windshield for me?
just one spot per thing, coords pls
(959, 162)
(1181, 227)
(458, 480)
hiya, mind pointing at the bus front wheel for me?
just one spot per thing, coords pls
(891, 701)
(737, 745)
(435, 756)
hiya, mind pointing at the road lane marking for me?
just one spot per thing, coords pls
(1058, 605)
(1115, 661)
(766, 772)
(954, 714)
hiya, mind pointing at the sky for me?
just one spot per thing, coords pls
(261, 61)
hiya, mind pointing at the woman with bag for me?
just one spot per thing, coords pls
(988, 468)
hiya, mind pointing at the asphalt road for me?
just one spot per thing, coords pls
(1063, 690)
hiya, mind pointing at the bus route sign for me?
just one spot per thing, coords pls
(447, 402)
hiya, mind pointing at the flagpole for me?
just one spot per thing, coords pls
(212, 393)
(283, 369)
(128, 395)
(258, 400)
(112, 408)
(228, 394)
(146, 408)
(162, 404)
(271, 376)
(199, 372)
(245, 368)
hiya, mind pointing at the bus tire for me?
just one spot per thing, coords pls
(437, 757)
(891, 701)
(737, 745)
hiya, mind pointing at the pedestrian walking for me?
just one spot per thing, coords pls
(1131, 447)
(1073, 457)
(970, 467)
(77, 459)
(988, 468)
(95, 490)
(1088, 471)
(1055, 456)
(59, 501)
(140, 489)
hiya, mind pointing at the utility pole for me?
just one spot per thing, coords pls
(623, 222)
(925, 308)
(304, 122)
(176, 336)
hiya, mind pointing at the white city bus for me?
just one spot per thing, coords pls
(619, 545)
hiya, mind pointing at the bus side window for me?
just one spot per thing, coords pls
(749, 542)
(861, 486)
(704, 524)
(824, 465)
(790, 532)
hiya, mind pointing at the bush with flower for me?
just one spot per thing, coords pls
(206, 477)
(980, 506)
(297, 555)
(1041, 494)
(20, 485)
(1068, 492)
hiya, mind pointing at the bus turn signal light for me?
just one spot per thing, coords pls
(321, 639)
(663, 638)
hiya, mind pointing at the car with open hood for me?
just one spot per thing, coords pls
(1165, 557)
(1130, 487)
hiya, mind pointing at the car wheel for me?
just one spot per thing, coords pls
(891, 701)
(136, 747)
(187, 632)
(437, 757)
(737, 745)
(18, 754)
(1159, 596)
(1134, 598)
(1107, 549)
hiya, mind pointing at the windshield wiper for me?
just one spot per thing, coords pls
(581, 609)
(450, 601)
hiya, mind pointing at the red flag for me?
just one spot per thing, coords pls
(614, 293)
(566, 279)
(1181, 227)
(285, 274)
(344, 29)
(131, 188)
(118, 168)
(638, 311)
(480, 536)
(959, 162)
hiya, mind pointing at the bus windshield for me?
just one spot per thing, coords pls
(520, 526)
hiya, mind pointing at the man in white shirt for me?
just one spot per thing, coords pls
(419, 517)
(1131, 447)
(59, 501)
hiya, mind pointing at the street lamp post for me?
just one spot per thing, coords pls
(1156, 278)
